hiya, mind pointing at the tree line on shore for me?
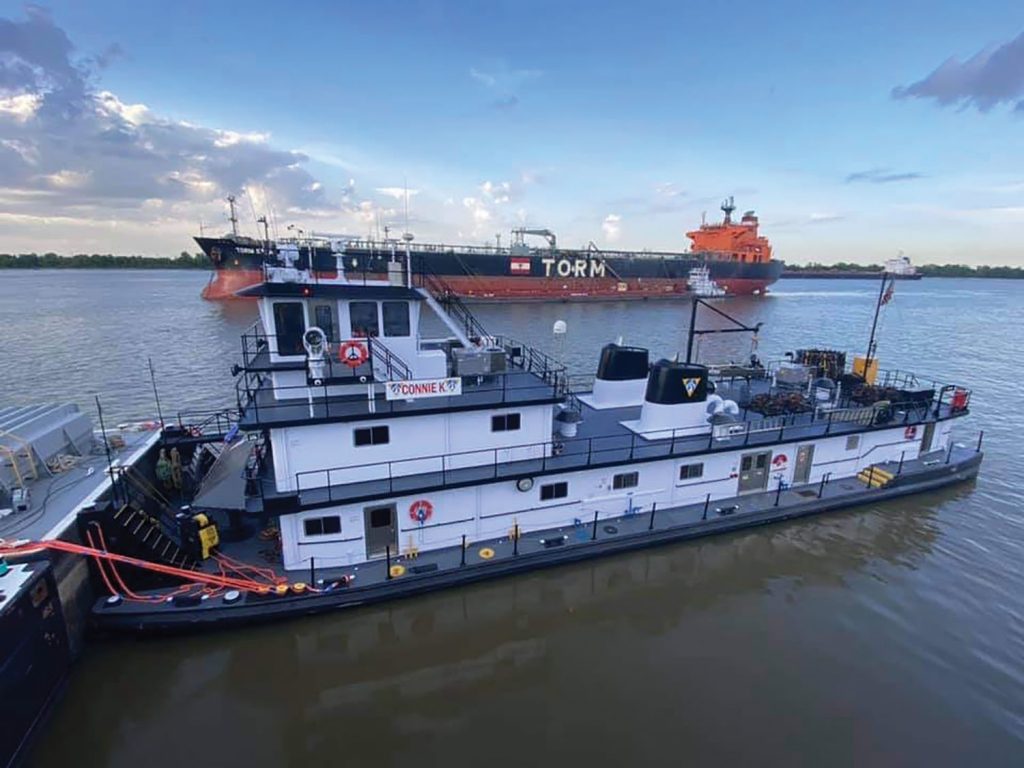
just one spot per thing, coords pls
(927, 270)
(185, 260)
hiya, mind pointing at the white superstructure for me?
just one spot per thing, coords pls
(381, 441)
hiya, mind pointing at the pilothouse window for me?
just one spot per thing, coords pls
(396, 318)
(363, 318)
(289, 325)
(323, 318)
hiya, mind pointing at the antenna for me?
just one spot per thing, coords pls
(156, 395)
(405, 183)
(233, 218)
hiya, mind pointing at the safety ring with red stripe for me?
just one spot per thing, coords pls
(910, 433)
(421, 510)
(353, 353)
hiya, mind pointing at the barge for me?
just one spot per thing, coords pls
(366, 462)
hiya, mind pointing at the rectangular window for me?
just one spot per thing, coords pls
(692, 471)
(362, 316)
(323, 318)
(372, 436)
(507, 422)
(289, 325)
(396, 318)
(554, 491)
(322, 526)
(625, 480)
(853, 442)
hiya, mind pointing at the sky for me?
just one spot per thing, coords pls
(855, 130)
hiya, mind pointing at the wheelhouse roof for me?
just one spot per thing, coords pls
(333, 291)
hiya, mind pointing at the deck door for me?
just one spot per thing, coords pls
(754, 471)
(381, 526)
(804, 460)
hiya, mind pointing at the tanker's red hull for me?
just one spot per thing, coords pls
(226, 282)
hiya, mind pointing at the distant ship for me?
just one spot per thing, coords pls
(737, 259)
(899, 267)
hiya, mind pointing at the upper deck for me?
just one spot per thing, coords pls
(605, 439)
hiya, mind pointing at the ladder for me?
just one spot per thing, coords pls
(146, 531)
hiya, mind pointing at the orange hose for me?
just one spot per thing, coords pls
(197, 577)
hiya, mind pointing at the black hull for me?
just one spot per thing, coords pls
(171, 619)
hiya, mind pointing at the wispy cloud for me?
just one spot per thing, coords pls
(504, 83)
(882, 176)
(612, 227)
(994, 75)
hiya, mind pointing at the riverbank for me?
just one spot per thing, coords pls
(858, 272)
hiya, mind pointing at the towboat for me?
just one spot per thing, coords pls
(365, 460)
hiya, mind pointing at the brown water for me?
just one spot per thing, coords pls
(887, 635)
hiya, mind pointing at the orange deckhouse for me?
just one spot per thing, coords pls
(732, 242)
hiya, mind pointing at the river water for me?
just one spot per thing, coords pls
(886, 635)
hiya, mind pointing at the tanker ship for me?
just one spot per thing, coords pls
(736, 258)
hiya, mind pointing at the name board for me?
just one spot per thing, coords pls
(415, 389)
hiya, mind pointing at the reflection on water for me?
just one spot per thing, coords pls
(888, 635)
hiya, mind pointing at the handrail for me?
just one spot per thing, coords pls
(392, 363)
(588, 452)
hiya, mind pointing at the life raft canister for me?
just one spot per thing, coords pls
(420, 511)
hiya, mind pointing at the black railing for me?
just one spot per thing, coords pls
(445, 295)
(216, 422)
(442, 470)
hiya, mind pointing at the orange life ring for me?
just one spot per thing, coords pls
(910, 433)
(420, 511)
(353, 353)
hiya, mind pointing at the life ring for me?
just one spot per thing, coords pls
(353, 353)
(780, 461)
(910, 433)
(486, 553)
(396, 570)
(420, 511)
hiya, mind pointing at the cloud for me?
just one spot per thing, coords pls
(71, 151)
(504, 83)
(612, 227)
(994, 75)
(823, 218)
(397, 193)
(882, 176)
(664, 198)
